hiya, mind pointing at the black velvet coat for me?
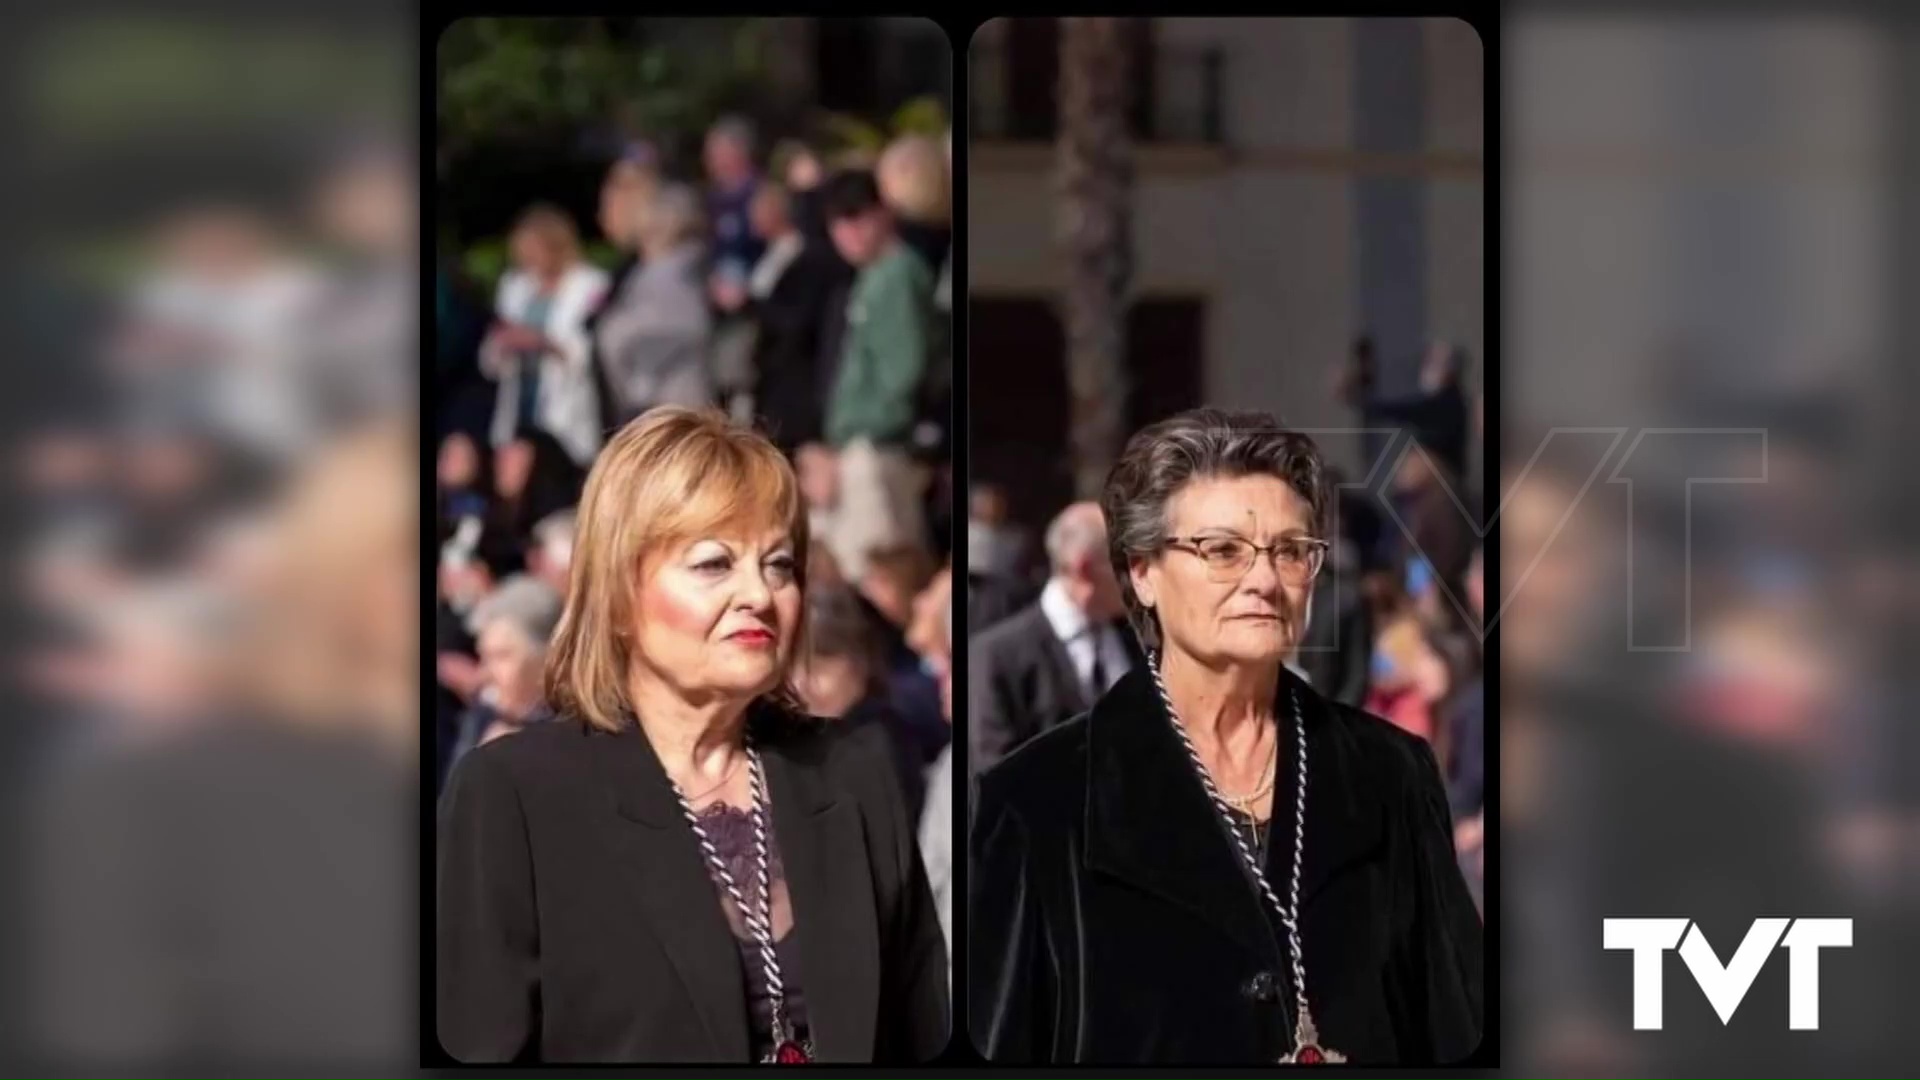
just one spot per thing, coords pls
(1112, 922)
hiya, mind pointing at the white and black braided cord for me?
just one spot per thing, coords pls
(758, 917)
(1289, 913)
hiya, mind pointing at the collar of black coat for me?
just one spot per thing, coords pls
(822, 846)
(791, 750)
(1149, 821)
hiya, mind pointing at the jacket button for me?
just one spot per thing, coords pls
(1260, 987)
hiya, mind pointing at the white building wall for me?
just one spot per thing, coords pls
(1264, 231)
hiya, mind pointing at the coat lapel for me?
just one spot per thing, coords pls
(657, 854)
(1344, 822)
(1149, 821)
(838, 936)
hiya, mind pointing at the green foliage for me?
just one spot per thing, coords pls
(521, 98)
(921, 116)
(507, 77)
(603, 255)
(102, 79)
(484, 263)
(841, 132)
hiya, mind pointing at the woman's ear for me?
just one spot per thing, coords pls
(1140, 573)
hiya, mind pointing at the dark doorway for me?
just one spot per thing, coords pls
(1033, 77)
(870, 67)
(845, 52)
(1017, 389)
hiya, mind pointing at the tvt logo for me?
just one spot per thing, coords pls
(1726, 984)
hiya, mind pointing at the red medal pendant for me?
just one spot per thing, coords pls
(1308, 1050)
(787, 1050)
(1312, 1054)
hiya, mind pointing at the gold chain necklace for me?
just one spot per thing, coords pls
(1244, 803)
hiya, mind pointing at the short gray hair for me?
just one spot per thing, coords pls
(556, 527)
(1076, 533)
(1163, 458)
(674, 213)
(531, 605)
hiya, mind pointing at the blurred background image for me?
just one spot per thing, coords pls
(211, 859)
(641, 212)
(1275, 214)
(213, 808)
(1707, 688)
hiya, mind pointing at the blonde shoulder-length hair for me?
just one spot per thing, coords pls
(912, 175)
(670, 476)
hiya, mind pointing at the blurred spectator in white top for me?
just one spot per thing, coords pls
(216, 342)
(539, 353)
(550, 557)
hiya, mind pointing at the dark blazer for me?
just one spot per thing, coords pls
(992, 598)
(786, 352)
(1113, 924)
(577, 923)
(1020, 682)
(603, 387)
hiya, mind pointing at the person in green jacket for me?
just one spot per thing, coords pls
(884, 358)
(883, 355)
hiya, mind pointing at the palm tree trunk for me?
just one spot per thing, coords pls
(1095, 178)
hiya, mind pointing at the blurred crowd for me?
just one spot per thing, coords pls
(805, 294)
(224, 655)
(1394, 625)
(253, 360)
(1718, 652)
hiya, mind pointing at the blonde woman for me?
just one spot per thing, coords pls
(681, 866)
(538, 352)
(626, 192)
(912, 174)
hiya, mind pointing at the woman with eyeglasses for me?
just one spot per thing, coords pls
(1217, 864)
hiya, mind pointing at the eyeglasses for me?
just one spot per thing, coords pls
(1297, 559)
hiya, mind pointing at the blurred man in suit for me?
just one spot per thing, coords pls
(1052, 660)
(788, 296)
(1000, 579)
